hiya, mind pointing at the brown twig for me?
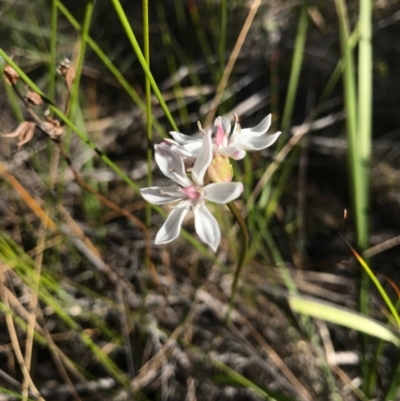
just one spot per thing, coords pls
(231, 62)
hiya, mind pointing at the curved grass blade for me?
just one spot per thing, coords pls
(375, 280)
(343, 317)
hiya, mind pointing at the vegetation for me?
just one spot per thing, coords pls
(305, 308)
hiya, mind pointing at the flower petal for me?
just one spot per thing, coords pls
(203, 160)
(172, 226)
(171, 164)
(258, 130)
(162, 195)
(233, 151)
(226, 124)
(189, 149)
(207, 227)
(183, 139)
(220, 135)
(222, 192)
(256, 142)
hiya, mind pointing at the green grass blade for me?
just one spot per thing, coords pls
(53, 50)
(81, 57)
(202, 38)
(135, 45)
(243, 381)
(344, 317)
(365, 104)
(149, 132)
(110, 65)
(297, 61)
(338, 71)
(380, 288)
(351, 120)
(364, 155)
(13, 395)
(357, 170)
(394, 388)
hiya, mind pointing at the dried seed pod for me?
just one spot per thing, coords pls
(33, 98)
(67, 71)
(11, 75)
(24, 132)
(53, 128)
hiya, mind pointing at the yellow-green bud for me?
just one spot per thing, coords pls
(220, 170)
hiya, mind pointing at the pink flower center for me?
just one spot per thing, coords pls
(191, 192)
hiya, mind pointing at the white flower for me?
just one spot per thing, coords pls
(225, 143)
(191, 193)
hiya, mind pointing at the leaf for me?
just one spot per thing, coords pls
(344, 317)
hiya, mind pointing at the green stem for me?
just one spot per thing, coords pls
(111, 67)
(74, 100)
(146, 46)
(53, 50)
(146, 68)
(297, 62)
(243, 251)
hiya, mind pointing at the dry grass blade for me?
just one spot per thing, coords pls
(231, 62)
(14, 339)
(27, 198)
(60, 359)
(33, 309)
(329, 349)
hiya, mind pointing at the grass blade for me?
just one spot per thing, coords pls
(110, 65)
(146, 68)
(344, 317)
(294, 73)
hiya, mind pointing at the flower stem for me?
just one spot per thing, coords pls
(243, 251)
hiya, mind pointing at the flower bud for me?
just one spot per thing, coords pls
(220, 169)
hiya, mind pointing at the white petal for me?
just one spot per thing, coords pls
(184, 139)
(189, 149)
(258, 130)
(226, 124)
(233, 151)
(256, 142)
(207, 227)
(162, 195)
(203, 160)
(172, 226)
(171, 164)
(222, 192)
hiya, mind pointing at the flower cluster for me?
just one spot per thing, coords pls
(208, 158)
